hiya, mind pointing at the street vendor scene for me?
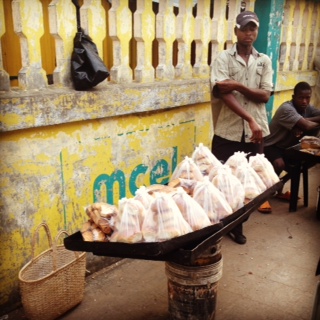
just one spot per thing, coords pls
(160, 159)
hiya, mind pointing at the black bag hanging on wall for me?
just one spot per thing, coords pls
(87, 68)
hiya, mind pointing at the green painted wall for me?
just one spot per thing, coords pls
(268, 42)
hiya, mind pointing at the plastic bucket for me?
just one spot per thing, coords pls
(192, 290)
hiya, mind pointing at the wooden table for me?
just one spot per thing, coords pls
(302, 162)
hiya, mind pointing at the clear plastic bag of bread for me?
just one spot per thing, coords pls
(131, 216)
(103, 215)
(237, 159)
(230, 186)
(264, 169)
(187, 169)
(251, 181)
(212, 200)
(163, 220)
(204, 159)
(186, 184)
(191, 210)
(142, 194)
(91, 232)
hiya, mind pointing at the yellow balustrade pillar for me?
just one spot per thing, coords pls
(286, 36)
(314, 35)
(310, 29)
(185, 32)
(144, 33)
(120, 31)
(295, 40)
(28, 25)
(63, 27)
(93, 21)
(4, 76)
(230, 37)
(218, 28)
(202, 38)
(165, 34)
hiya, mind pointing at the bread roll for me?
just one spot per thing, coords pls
(211, 200)
(191, 210)
(186, 184)
(132, 213)
(163, 220)
(204, 159)
(310, 142)
(187, 169)
(91, 232)
(154, 188)
(103, 215)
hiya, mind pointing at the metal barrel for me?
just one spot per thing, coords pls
(192, 289)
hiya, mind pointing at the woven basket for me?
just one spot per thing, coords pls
(53, 282)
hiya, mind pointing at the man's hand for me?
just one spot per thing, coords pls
(227, 86)
(256, 132)
(234, 105)
(297, 132)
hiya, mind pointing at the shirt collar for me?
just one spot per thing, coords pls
(233, 51)
(303, 112)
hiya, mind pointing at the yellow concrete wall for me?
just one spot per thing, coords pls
(49, 174)
(60, 147)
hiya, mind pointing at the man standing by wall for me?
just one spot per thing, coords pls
(242, 79)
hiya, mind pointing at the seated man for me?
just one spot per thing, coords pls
(293, 120)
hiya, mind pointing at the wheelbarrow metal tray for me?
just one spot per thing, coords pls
(144, 250)
(185, 246)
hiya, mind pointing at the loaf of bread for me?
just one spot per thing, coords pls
(128, 229)
(204, 159)
(310, 142)
(237, 159)
(163, 220)
(186, 184)
(160, 188)
(211, 200)
(264, 169)
(187, 169)
(230, 186)
(91, 232)
(251, 181)
(103, 215)
(191, 210)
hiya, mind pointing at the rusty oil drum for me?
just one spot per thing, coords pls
(192, 289)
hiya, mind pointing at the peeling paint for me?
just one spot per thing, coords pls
(48, 173)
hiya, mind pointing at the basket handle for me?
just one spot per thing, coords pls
(46, 228)
(76, 254)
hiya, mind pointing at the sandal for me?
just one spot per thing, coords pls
(285, 196)
(265, 208)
